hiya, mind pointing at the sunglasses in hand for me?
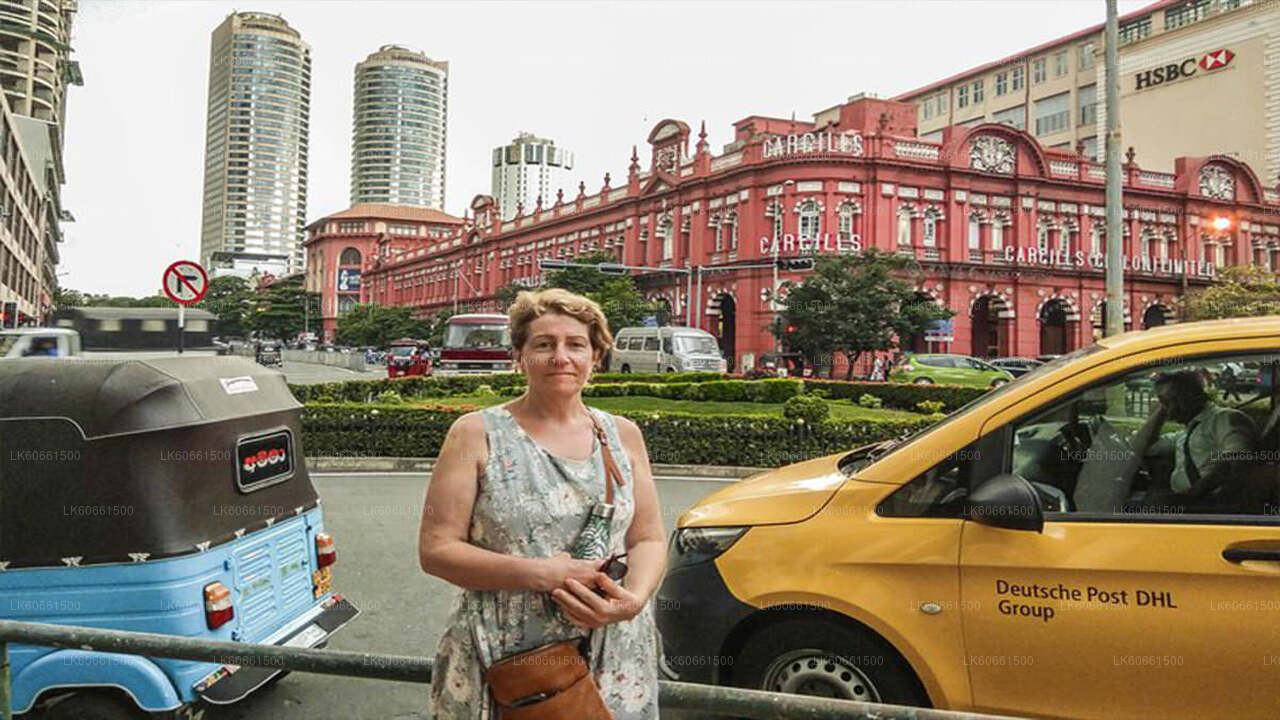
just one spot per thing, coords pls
(615, 568)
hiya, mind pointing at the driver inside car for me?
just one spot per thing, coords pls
(1211, 450)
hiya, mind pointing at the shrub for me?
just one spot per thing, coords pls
(389, 397)
(777, 390)
(867, 400)
(484, 390)
(808, 408)
(930, 407)
(901, 396)
(349, 429)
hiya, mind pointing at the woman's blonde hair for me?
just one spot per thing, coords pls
(533, 304)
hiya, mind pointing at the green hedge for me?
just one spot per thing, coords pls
(762, 391)
(901, 396)
(437, 386)
(344, 430)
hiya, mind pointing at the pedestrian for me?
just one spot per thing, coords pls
(513, 490)
(877, 369)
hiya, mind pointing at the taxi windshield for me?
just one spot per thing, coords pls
(855, 461)
(477, 337)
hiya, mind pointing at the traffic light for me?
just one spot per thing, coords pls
(795, 263)
(549, 264)
(791, 329)
(612, 269)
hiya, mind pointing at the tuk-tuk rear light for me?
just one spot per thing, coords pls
(217, 605)
(326, 551)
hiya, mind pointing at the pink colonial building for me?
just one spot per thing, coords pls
(1009, 234)
(340, 245)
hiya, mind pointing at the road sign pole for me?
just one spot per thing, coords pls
(182, 335)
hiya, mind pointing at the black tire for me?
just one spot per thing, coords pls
(626, 368)
(922, 381)
(998, 382)
(671, 369)
(91, 705)
(812, 656)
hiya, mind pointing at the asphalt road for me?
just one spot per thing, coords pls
(302, 373)
(374, 520)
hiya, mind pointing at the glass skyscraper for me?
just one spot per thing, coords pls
(398, 132)
(255, 174)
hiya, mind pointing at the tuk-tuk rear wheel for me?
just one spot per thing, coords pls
(94, 705)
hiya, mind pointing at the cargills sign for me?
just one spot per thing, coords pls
(1210, 61)
(1098, 261)
(848, 142)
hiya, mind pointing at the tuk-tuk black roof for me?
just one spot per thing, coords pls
(124, 460)
(109, 396)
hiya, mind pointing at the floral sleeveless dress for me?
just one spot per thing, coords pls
(532, 504)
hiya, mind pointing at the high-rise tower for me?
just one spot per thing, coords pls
(255, 163)
(526, 169)
(398, 131)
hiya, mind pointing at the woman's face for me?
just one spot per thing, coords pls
(558, 355)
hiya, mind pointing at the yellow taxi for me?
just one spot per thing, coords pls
(1099, 538)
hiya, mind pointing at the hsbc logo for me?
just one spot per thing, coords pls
(1210, 61)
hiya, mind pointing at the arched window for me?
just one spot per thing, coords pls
(716, 233)
(350, 256)
(1064, 240)
(845, 223)
(975, 231)
(929, 229)
(732, 221)
(904, 226)
(1042, 236)
(810, 220)
(668, 241)
(1144, 244)
(998, 224)
(1096, 237)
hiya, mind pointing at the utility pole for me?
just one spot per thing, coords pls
(1115, 208)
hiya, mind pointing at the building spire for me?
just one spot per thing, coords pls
(702, 138)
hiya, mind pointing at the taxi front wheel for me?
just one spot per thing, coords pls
(825, 659)
(94, 705)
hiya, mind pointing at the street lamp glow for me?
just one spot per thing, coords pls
(1221, 223)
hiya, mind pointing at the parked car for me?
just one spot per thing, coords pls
(665, 349)
(170, 496)
(1008, 560)
(925, 369)
(39, 342)
(269, 353)
(1016, 366)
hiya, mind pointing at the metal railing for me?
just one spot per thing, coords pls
(755, 704)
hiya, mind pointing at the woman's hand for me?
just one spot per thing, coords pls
(554, 572)
(587, 609)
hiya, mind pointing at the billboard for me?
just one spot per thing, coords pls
(348, 280)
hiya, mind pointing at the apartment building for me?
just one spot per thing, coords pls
(1211, 102)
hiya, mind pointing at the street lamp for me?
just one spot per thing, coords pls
(1221, 223)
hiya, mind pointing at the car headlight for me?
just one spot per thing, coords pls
(699, 544)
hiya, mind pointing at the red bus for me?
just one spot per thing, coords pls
(475, 344)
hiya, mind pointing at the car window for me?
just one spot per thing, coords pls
(622, 343)
(1190, 438)
(937, 492)
(939, 362)
(651, 343)
(636, 343)
(666, 345)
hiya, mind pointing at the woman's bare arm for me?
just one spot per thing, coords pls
(647, 538)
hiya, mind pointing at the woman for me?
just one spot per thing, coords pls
(510, 492)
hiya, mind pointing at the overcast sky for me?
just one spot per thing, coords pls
(595, 77)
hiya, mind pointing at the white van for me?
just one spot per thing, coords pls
(39, 342)
(665, 349)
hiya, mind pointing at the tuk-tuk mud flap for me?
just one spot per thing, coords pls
(239, 681)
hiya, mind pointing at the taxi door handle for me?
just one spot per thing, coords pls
(1242, 554)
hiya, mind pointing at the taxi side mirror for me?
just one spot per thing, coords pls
(1007, 501)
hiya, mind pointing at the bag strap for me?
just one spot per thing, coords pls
(611, 473)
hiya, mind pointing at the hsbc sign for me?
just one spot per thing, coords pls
(1208, 62)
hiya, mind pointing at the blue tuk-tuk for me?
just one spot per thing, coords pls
(165, 496)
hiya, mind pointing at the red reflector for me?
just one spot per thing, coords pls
(217, 605)
(326, 551)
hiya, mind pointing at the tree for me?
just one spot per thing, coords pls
(853, 304)
(377, 325)
(1243, 291)
(507, 295)
(279, 311)
(438, 325)
(617, 295)
(229, 298)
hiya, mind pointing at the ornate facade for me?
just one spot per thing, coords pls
(1009, 234)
